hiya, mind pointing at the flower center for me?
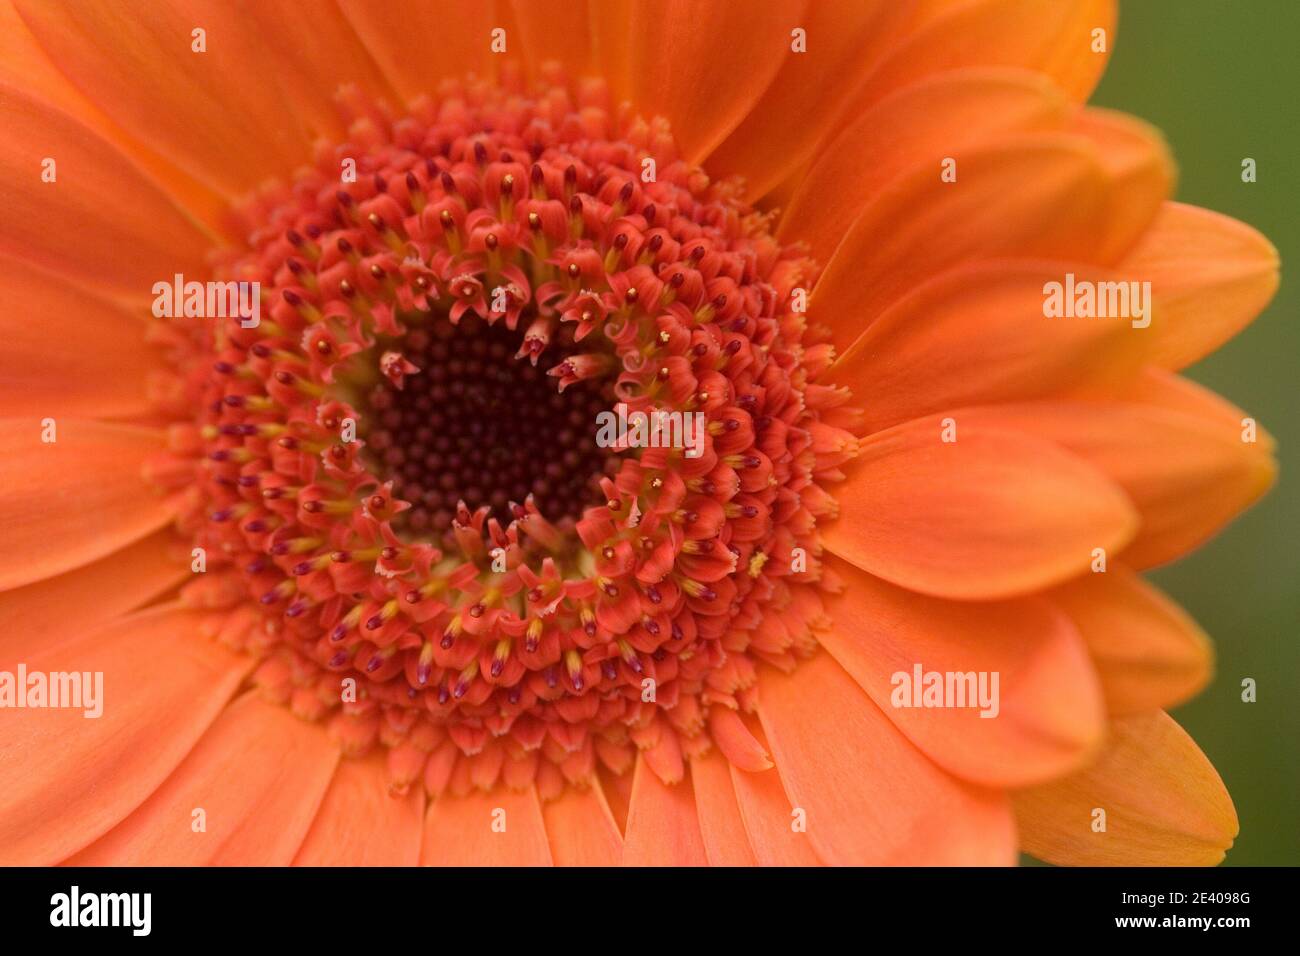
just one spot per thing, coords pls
(398, 479)
(480, 424)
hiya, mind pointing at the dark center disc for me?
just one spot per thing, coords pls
(479, 425)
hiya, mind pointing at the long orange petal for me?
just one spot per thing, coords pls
(71, 501)
(259, 775)
(49, 612)
(721, 828)
(68, 351)
(1149, 652)
(361, 824)
(1164, 804)
(1140, 178)
(943, 115)
(844, 44)
(581, 828)
(776, 831)
(870, 797)
(1047, 716)
(66, 778)
(1030, 196)
(1187, 475)
(417, 45)
(663, 828)
(978, 334)
(1051, 38)
(992, 514)
(210, 106)
(325, 56)
(129, 235)
(769, 820)
(500, 828)
(556, 30)
(701, 66)
(1169, 390)
(1212, 274)
(24, 65)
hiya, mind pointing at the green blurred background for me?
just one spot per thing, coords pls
(1221, 78)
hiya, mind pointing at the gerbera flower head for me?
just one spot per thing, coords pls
(425, 609)
(416, 505)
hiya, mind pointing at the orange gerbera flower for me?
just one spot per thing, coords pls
(364, 582)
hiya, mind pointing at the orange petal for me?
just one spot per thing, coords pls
(325, 55)
(129, 235)
(992, 514)
(943, 115)
(1160, 387)
(1165, 804)
(73, 500)
(663, 828)
(701, 66)
(67, 778)
(581, 828)
(721, 828)
(360, 823)
(211, 105)
(1187, 475)
(770, 820)
(555, 30)
(67, 351)
(1148, 651)
(735, 740)
(869, 796)
(1051, 38)
(844, 44)
(977, 334)
(50, 612)
(1030, 196)
(1212, 274)
(420, 44)
(25, 66)
(259, 776)
(498, 828)
(1046, 714)
(1140, 177)
(777, 832)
